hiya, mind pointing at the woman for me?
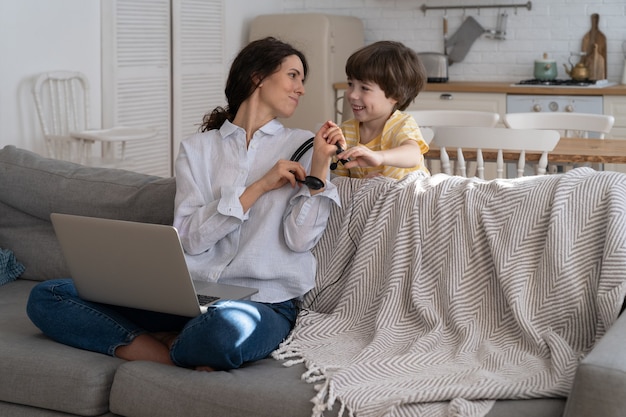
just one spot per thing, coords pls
(244, 218)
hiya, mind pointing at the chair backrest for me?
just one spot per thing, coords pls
(569, 124)
(493, 138)
(431, 119)
(62, 102)
(434, 118)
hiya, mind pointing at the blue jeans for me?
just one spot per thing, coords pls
(228, 335)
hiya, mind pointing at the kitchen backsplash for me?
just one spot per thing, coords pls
(553, 26)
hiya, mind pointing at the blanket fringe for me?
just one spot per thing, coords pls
(287, 350)
(325, 397)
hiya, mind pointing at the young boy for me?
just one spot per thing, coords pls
(383, 79)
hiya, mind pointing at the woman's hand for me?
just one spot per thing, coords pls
(324, 148)
(282, 173)
(333, 135)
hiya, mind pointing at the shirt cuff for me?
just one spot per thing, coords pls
(229, 204)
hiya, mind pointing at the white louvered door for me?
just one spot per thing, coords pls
(162, 66)
(198, 64)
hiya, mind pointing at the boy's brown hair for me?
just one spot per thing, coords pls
(394, 67)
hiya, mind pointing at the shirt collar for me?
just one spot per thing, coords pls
(269, 128)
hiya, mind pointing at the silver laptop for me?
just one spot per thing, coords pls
(138, 265)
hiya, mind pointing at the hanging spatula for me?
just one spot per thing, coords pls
(460, 43)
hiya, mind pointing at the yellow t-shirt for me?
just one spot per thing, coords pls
(398, 128)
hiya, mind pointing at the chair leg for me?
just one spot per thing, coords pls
(460, 160)
(521, 163)
(500, 165)
(480, 164)
(445, 161)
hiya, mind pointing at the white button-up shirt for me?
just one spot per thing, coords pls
(269, 247)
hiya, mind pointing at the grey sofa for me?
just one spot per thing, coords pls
(39, 377)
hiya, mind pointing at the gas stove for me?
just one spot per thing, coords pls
(564, 83)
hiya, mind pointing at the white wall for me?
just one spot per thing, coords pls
(39, 35)
(239, 14)
(43, 35)
(553, 26)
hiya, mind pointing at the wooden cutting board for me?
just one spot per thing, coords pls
(595, 61)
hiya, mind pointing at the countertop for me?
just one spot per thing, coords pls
(510, 88)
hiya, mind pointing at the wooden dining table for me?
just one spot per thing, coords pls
(567, 150)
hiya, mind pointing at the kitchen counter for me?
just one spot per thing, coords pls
(509, 88)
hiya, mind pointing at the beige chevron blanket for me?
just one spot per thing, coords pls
(437, 295)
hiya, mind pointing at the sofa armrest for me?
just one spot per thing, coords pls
(600, 383)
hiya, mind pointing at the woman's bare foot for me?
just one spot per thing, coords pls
(147, 348)
(167, 338)
(154, 347)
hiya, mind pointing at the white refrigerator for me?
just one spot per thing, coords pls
(327, 41)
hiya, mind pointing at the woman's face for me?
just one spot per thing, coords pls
(282, 89)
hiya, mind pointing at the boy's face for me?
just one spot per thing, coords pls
(368, 101)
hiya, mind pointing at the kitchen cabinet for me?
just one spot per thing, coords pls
(616, 106)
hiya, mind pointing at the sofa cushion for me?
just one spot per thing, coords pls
(10, 268)
(264, 388)
(32, 187)
(33, 242)
(39, 372)
(600, 381)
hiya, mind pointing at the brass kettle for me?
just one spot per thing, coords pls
(578, 72)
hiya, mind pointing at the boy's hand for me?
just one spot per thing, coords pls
(361, 156)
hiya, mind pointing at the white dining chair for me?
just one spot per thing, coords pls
(63, 109)
(428, 120)
(493, 138)
(581, 125)
(569, 124)
(433, 118)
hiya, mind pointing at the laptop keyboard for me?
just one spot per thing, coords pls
(206, 299)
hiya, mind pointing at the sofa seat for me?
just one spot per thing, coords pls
(262, 389)
(33, 385)
(39, 372)
(41, 378)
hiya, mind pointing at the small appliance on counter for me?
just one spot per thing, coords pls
(436, 65)
(545, 69)
(579, 71)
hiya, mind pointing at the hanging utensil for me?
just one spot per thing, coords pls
(501, 26)
(445, 32)
(624, 70)
(463, 38)
(499, 32)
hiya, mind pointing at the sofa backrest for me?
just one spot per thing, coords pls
(32, 187)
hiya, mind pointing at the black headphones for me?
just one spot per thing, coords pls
(310, 181)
